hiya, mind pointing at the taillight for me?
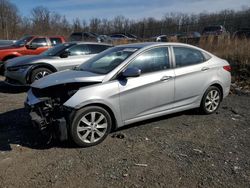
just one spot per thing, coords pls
(227, 68)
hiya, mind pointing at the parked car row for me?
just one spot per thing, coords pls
(25, 70)
(90, 36)
(28, 45)
(218, 30)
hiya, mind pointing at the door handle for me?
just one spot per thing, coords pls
(165, 78)
(204, 69)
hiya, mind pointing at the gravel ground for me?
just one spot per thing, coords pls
(180, 150)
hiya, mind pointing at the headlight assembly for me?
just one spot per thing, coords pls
(18, 68)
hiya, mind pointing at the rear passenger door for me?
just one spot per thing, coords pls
(192, 74)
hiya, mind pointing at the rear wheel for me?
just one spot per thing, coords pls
(90, 126)
(39, 73)
(211, 100)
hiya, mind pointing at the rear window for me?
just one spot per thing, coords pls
(55, 41)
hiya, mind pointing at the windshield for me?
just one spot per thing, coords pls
(55, 50)
(23, 41)
(107, 60)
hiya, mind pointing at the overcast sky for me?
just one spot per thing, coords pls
(134, 9)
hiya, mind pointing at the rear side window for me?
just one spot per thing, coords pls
(55, 41)
(95, 49)
(187, 56)
(153, 60)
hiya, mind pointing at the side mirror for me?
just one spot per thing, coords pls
(31, 46)
(131, 72)
(65, 54)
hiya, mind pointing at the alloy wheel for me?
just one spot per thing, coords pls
(41, 74)
(212, 100)
(92, 127)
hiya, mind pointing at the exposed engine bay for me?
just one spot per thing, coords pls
(47, 111)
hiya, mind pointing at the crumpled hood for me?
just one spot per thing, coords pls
(67, 76)
(25, 60)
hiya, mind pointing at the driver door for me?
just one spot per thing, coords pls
(153, 91)
(77, 54)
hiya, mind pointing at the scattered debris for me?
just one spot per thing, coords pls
(197, 150)
(118, 135)
(235, 111)
(183, 155)
(143, 165)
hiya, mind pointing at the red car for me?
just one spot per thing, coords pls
(28, 45)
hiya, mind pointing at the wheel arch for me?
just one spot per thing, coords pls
(108, 109)
(114, 116)
(39, 65)
(219, 87)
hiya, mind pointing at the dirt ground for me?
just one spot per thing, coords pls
(180, 150)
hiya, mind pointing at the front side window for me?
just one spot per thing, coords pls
(187, 56)
(39, 42)
(78, 50)
(151, 61)
(57, 49)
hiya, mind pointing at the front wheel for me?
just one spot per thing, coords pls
(39, 73)
(90, 126)
(211, 100)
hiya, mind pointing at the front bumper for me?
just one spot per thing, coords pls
(17, 77)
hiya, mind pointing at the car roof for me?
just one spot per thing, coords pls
(152, 44)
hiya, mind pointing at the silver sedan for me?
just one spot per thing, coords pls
(26, 69)
(127, 84)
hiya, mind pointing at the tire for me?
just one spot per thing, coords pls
(90, 126)
(38, 73)
(211, 100)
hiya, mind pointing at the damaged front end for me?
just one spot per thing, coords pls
(47, 111)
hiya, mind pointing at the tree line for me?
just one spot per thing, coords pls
(44, 22)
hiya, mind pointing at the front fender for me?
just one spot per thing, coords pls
(104, 94)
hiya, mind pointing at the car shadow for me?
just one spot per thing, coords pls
(7, 88)
(16, 128)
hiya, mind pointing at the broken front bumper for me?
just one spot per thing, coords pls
(45, 119)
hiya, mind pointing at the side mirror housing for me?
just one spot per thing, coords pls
(131, 72)
(31, 46)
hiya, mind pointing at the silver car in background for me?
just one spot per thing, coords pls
(127, 84)
(26, 69)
